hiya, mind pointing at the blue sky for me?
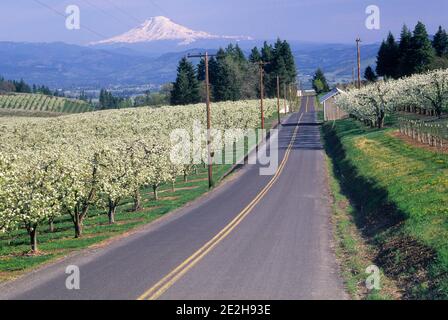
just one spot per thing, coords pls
(308, 20)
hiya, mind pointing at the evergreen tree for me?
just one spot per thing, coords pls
(267, 52)
(212, 69)
(21, 86)
(318, 86)
(282, 64)
(236, 54)
(228, 73)
(290, 62)
(267, 56)
(201, 70)
(255, 55)
(194, 96)
(320, 83)
(186, 88)
(226, 84)
(82, 96)
(370, 75)
(440, 42)
(108, 101)
(388, 58)
(276, 68)
(422, 52)
(404, 49)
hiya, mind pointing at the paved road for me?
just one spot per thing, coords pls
(255, 237)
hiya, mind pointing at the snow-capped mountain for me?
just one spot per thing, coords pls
(162, 28)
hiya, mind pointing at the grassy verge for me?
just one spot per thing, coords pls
(353, 253)
(390, 210)
(319, 108)
(14, 246)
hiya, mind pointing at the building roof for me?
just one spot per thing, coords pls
(331, 94)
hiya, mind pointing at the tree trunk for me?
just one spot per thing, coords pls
(33, 238)
(77, 221)
(111, 213)
(137, 201)
(381, 120)
(51, 225)
(78, 229)
(156, 195)
(185, 177)
(173, 186)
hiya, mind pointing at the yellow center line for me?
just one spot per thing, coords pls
(166, 282)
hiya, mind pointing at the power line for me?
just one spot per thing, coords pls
(64, 16)
(107, 13)
(159, 7)
(124, 12)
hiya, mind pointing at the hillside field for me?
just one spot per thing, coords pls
(42, 103)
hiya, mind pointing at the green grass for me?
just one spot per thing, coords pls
(399, 199)
(14, 246)
(353, 254)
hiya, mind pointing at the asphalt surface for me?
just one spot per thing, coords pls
(282, 248)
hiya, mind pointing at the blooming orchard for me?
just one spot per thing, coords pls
(426, 93)
(65, 165)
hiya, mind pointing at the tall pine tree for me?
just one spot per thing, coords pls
(440, 42)
(282, 64)
(255, 55)
(186, 88)
(422, 52)
(388, 58)
(290, 62)
(224, 75)
(405, 53)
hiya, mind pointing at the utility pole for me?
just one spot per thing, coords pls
(278, 99)
(358, 40)
(353, 74)
(208, 108)
(261, 65)
(285, 97)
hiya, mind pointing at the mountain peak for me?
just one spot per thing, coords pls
(162, 28)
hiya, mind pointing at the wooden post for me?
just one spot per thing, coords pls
(278, 100)
(285, 97)
(358, 40)
(261, 94)
(209, 123)
(208, 111)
